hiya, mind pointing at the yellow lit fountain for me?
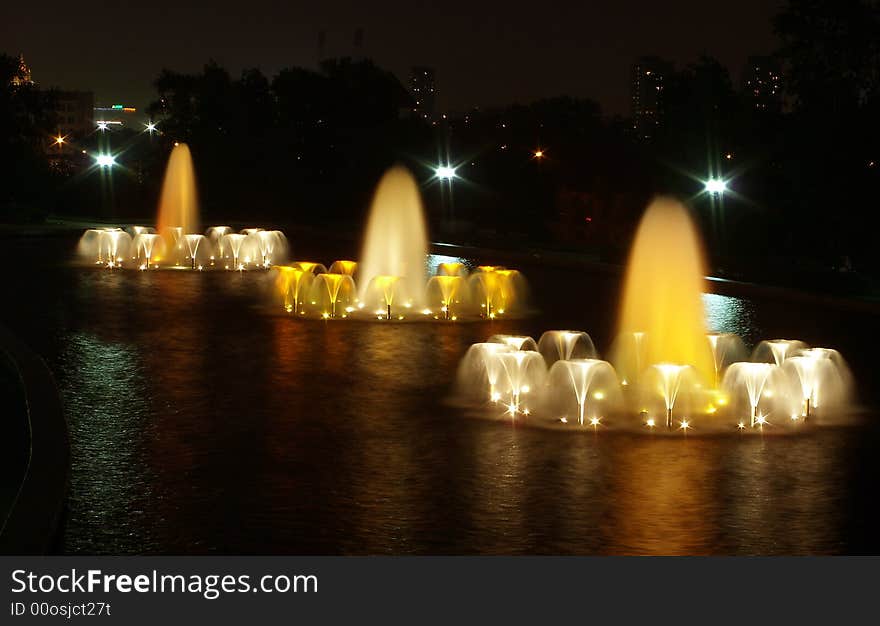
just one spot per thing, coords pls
(665, 369)
(662, 295)
(396, 240)
(389, 281)
(178, 205)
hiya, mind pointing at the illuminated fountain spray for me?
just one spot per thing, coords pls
(447, 291)
(292, 283)
(452, 269)
(192, 246)
(517, 342)
(662, 295)
(555, 345)
(382, 291)
(104, 246)
(821, 376)
(480, 371)
(586, 379)
(664, 359)
(178, 205)
(343, 267)
(756, 380)
(146, 243)
(233, 243)
(521, 371)
(332, 290)
(215, 235)
(727, 348)
(776, 350)
(668, 382)
(495, 289)
(396, 239)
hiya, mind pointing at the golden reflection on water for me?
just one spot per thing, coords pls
(661, 500)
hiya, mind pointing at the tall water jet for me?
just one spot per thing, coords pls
(178, 206)
(662, 293)
(396, 241)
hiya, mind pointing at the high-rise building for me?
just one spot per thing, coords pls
(762, 83)
(648, 76)
(424, 91)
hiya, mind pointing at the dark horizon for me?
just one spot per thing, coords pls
(488, 55)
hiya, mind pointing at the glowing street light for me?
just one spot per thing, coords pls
(445, 172)
(539, 153)
(102, 126)
(105, 160)
(715, 186)
(59, 140)
(151, 127)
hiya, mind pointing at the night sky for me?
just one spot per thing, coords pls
(485, 53)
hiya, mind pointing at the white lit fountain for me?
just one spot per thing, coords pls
(176, 241)
(665, 370)
(390, 280)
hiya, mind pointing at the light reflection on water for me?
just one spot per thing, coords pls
(201, 424)
(433, 261)
(728, 314)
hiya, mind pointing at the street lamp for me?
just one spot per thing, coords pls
(102, 126)
(445, 172)
(715, 186)
(539, 153)
(105, 160)
(151, 127)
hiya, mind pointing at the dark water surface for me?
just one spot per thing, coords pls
(200, 423)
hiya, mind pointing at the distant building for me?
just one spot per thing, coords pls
(24, 74)
(648, 82)
(424, 91)
(115, 116)
(762, 83)
(74, 113)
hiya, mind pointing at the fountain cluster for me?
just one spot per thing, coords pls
(561, 379)
(310, 289)
(141, 247)
(176, 242)
(391, 280)
(664, 369)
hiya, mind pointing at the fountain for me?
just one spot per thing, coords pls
(662, 291)
(521, 371)
(480, 370)
(564, 345)
(757, 380)
(329, 291)
(584, 379)
(777, 350)
(396, 240)
(390, 280)
(445, 291)
(176, 239)
(178, 206)
(664, 367)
